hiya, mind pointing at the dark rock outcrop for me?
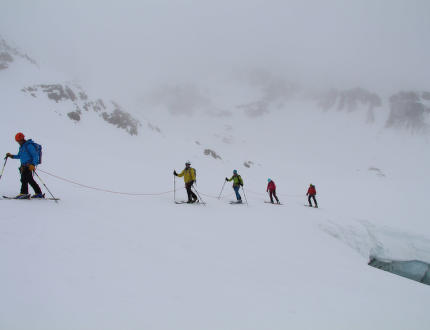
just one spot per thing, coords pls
(350, 100)
(78, 99)
(8, 54)
(407, 110)
(213, 154)
(122, 120)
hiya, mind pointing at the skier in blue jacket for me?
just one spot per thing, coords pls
(29, 159)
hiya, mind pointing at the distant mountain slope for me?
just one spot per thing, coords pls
(69, 98)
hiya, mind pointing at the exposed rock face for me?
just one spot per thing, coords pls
(408, 110)
(75, 115)
(8, 55)
(213, 154)
(74, 95)
(248, 164)
(122, 120)
(351, 100)
(377, 171)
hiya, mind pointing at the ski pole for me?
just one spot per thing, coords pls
(174, 188)
(219, 197)
(55, 199)
(244, 195)
(200, 198)
(4, 165)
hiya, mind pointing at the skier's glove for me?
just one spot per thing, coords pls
(31, 167)
(226, 179)
(174, 173)
(8, 155)
(241, 184)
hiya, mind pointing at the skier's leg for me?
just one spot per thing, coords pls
(315, 201)
(271, 196)
(276, 197)
(193, 195)
(24, 180)
(33, 183)
(189, 192)
(236, 190)
(309, 200)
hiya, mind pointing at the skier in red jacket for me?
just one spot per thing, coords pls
(311, 194)
(271, 189)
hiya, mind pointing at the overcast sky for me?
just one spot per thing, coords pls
(133, 43)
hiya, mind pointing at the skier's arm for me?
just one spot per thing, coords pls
(181, 174)
(229, 180)
(17, 156)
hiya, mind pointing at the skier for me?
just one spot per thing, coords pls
(237, 183)
(271, 189)
(30, 158)
(311, 194)
(189, 175)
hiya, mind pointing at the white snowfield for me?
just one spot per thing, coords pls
(108, 261)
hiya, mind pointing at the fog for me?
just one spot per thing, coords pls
(128, 46)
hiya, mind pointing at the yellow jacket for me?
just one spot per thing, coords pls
(188, 174)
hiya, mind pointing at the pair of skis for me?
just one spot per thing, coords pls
(28, 197)
(273, 203)
(185, 202)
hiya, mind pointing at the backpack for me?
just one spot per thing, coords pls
(38, 148)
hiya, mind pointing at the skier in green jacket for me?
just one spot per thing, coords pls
(237, 183)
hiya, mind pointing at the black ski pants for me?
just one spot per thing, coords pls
(27, 178)
(315, 201)
(273, 194)
(191, 195)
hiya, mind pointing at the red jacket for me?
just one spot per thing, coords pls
(271, 186)
(312, 191)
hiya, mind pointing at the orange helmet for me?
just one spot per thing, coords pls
(19, 137)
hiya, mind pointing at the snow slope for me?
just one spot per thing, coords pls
(98, 260)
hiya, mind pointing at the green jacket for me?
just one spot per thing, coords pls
(237, 180)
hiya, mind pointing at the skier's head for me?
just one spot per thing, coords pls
(311, 185)
(20, 138)
(187, 164)
(269, 179)
(234, 171)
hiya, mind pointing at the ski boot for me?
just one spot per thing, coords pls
(23, 196)
(38, 196)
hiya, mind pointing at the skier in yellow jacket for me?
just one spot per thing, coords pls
(189, 175)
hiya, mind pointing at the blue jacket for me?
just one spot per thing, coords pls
(27, 154)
